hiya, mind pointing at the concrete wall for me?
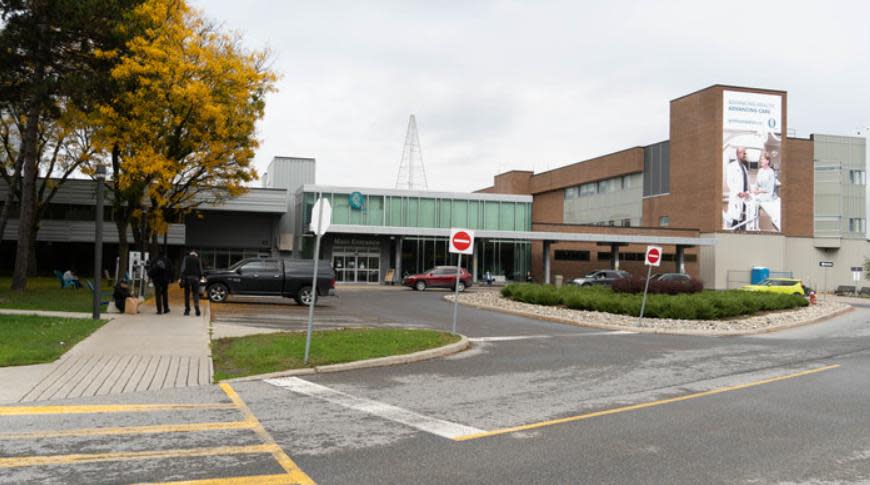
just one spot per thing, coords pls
(611, 206)
(738, 253)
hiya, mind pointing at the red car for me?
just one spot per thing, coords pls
(438, 277)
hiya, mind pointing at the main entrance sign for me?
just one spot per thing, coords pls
(461, 241)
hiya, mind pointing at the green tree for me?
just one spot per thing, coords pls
(48, 63)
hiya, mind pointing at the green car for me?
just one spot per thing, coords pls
(787, 286)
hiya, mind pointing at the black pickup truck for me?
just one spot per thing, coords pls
(290, 278)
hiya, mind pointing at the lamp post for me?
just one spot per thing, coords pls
(100, 176)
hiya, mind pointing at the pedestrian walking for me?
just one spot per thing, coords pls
(191, 272)
(161, 275)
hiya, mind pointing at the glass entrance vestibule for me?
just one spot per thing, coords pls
(510, 259)
(356, 266)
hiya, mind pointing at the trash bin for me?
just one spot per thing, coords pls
(759, 274)
(559, 279)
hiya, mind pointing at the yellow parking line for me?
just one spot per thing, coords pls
(23, 461)
(281, 479)
(125, 430)
(634, 407)
(293, 471)
(106, 408)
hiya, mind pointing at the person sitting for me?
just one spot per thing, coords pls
(120, 295)
(70, 278)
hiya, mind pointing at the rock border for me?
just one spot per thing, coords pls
(652, 330)
(391, 360)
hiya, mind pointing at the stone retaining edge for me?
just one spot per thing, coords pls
(411, 358)
(660, 331)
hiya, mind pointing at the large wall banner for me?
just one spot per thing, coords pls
(751, 162)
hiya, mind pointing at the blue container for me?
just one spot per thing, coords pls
(759, 274)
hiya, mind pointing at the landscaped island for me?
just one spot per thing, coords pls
(273, 352)
(703, 305)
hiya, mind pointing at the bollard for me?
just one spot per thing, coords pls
(559, 280)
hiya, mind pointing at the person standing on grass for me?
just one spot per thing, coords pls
(191, 272)
(161, 276)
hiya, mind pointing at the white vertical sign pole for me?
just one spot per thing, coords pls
(320, 204)
(643, 303)
(456, 292)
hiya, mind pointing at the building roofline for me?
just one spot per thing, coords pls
(729, 86)
(590, 159)
(418, 193)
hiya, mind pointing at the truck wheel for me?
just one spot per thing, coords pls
(459, 286)
(218, 293)
(420, 286)
(305, 295)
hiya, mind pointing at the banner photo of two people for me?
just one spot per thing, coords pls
(752, 162)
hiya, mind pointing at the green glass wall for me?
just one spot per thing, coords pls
(404, 211)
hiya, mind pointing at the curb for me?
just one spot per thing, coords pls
(420, 356)
(659, 331)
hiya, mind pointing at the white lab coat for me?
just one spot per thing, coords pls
(766, 182)
(734, 179)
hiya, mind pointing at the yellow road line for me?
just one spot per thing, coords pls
(634, 407)
(293, 471)
(281, 479)
(106, 408)
(23, 461)
(125, 430)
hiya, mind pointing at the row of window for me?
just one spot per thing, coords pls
(857, 225)
(579, 255)
(395, 211)
(606, 186)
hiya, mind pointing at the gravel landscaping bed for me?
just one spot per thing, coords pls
(767, 322)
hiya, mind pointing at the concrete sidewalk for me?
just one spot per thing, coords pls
(129, 353)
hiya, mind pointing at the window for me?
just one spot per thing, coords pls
(571, 193)
(588, 189)
(611, 223)
(626, 182)
(856, 224)
(570, 255)
(626, 223)
(857, 177)
(656, 169)
(664, 221)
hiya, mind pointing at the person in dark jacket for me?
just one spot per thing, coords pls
(191, 272)
(161, 275)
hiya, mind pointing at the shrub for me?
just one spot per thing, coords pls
(635, 284)
(699, 305)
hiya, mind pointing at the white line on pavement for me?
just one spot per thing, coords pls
(528, 337)
(438, 427)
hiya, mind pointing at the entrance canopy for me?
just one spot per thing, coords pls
(526, 235)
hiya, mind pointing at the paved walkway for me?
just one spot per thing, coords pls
(129, 353)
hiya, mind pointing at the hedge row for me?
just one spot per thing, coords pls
(706, 305)
(635, 284)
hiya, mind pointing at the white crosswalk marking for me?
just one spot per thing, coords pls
(435, 426)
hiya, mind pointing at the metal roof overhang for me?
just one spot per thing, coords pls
(524, 235)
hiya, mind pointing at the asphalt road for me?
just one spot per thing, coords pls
(531, 402)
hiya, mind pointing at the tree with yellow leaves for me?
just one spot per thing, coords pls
(181, 127)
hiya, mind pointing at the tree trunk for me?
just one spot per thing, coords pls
(27, 217)
(32, 265)
(122, 222)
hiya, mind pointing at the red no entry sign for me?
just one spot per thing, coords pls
(461, 241)
(653, 256)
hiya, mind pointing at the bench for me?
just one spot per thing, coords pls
(864, 291)
(103, 294)
(844, 290)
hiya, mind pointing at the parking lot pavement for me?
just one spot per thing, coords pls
(205, 433)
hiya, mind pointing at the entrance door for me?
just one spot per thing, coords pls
(356, 267)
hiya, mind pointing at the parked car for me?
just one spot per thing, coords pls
(787, 286)
(671, 277)
(438, 277)
(290, 278)
(602, 277)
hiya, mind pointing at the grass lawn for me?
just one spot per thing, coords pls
(45, 294)
(259, 354)
(28, 339)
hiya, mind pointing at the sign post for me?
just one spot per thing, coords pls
(461, 242)
(653, 258)
(322, 213)
(826, 265)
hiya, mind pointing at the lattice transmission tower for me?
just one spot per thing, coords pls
(412, 174)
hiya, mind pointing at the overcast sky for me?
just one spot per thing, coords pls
(535, 85)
